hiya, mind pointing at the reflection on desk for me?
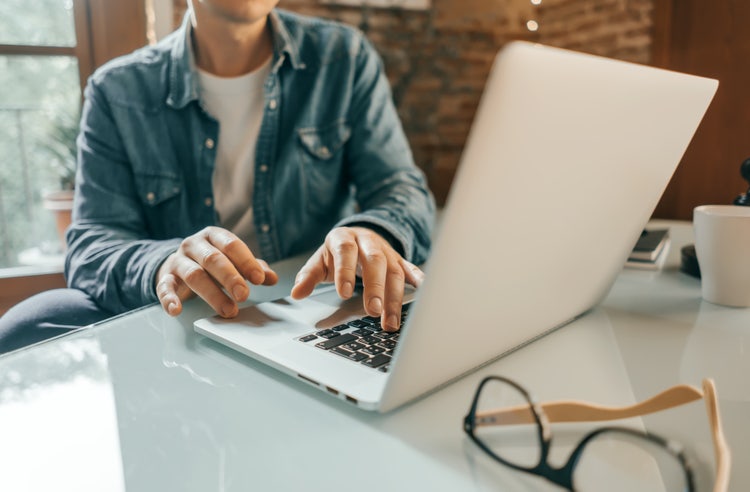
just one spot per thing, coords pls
(141, 402)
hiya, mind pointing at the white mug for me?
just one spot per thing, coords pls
(722, 245)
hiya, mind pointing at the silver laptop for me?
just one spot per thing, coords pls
(566, 160)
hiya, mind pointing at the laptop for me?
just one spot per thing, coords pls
(566, 160)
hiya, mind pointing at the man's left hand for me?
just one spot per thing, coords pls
(384, 272)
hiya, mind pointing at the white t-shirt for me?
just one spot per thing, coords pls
(237, 104)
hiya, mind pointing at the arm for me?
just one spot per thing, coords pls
(111, 256)
(118, 259)
(391, 191)
(396, 214)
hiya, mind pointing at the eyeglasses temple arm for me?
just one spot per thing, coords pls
(578, 411)
(721, 449)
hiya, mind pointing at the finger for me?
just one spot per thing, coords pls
(171, 291)
(343, 249)
(238, 254)
(166, 291)
(413, 275)
(373, 260)
(217, 265)
(200, 282)
(394, 296)
(271, 277)
(310, 275)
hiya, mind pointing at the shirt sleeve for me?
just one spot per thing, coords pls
(391, 190)
(110, 253)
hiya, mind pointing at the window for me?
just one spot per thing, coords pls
(48, 48)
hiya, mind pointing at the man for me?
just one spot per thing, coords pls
(246, 134)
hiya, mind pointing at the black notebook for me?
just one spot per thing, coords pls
(649, 245)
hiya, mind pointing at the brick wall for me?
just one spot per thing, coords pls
(437, 60)
(614, 28)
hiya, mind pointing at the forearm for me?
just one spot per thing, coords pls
(391, 190)
(116, 269)
(403, 207)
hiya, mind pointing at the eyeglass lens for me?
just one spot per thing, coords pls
(628, 462)
(624, 462)
(514, 442)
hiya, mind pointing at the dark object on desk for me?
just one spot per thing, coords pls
(689, 261)
(744, 199)
(649, 245)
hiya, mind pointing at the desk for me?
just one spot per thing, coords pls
(142, 403)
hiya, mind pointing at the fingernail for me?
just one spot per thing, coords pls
(375, 305)
(392, 321)
(239, 293)
(228, 311)
(171, 307)
(257, 277)
(347, 290)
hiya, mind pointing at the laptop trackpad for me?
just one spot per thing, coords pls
(322, 310)
(270, 323)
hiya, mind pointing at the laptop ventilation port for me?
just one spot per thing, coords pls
(308, 379)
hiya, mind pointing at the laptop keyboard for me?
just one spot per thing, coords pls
(362, 341)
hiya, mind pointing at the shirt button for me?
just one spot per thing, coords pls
(265, 228)
(150, 196)
(325, 152)
(210, 143)
(263, 168)
(272, 104)
(208, 202)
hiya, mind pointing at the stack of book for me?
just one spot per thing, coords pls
(650, 252)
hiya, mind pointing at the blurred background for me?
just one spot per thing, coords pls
(437, 55)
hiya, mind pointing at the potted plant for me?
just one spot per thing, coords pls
(61, 149)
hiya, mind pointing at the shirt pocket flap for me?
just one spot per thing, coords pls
(154, 189)
(323, 142)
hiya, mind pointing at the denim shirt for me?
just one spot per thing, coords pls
(331, 152)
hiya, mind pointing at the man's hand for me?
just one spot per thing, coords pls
(384, 272)
(207, 262)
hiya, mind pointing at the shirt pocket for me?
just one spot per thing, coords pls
(159, 195)
(155, 189)
(322, 159)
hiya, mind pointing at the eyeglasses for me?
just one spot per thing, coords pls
(617, 456)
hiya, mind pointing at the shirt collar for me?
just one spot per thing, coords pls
(183, 73)
(283, 43)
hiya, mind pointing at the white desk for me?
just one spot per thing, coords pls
(142, 403)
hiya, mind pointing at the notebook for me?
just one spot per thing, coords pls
(567, 157)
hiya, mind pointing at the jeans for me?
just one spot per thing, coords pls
(46, 315)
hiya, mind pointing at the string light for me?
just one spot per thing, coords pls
(533, 25)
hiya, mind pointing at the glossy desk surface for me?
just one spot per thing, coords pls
(142, 403)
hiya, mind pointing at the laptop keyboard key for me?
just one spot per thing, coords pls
(308, 338)
(327, 334)
(375, 350)
(353, 346)
(336, 341)
(377, 361)
(355, 356)
(388, 344)
(369, 340)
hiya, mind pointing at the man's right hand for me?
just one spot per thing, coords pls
(211, 263)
